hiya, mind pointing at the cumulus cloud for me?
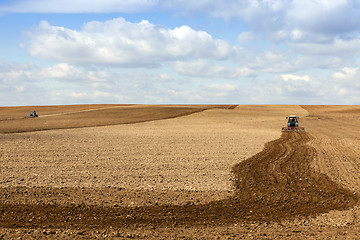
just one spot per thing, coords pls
(327, 32)
(306, 20)
(299, 86)
(61, 71)
(346, 73)
(337, 47)
(13, 74)
(293, 77)
(77, 6)
(25, 81)
(66, 84)
(337, 87)
(347, 84)
(221, 87)
(246, 37)
(284, 20)
(203, 68)
(293, 39)
(15, 82)
(293, 89)
(291, 20)
(274, 61)
(120, 43)
(332, 18)
(221, 90)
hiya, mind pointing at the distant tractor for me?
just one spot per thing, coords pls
(293, 124)
(33, 114)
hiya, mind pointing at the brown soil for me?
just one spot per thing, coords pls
(274, 184)
(15, 119)
(289, 190)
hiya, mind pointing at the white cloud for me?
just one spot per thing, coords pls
(246, 37)
(297, 34)
(346, 73)
(22, 83)
(347, 83)
(330, 17)
(55, 85)
(221, 87)
(203, 68)
(120, 43)
(337, 47)
(245, 9)
(61, 71)
(274, 61)
(299, 57)
(77, 6)
(293, 77)
(292, 89)
(79, 95)
(14, 72)
(306, 20)
(19, 89)
(333, 87)
(302, 42)
(84, 96)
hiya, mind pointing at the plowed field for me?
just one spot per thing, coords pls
(213, 172)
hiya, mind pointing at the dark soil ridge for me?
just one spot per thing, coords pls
(275, 184)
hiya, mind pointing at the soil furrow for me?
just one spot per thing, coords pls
(336, 139)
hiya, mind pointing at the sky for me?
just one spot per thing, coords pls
(179, 52)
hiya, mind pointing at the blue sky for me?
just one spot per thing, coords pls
(157, 51)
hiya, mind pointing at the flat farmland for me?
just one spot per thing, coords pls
(14, 119)
(179, 171)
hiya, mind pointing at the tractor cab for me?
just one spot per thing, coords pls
(292, 124)
(33, 114)
(293, 121)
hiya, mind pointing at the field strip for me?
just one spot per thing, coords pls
(66, 113)
(274, 184)
(86, 118)
(82, 111)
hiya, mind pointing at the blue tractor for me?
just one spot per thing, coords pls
(292, 124)
(33, 114)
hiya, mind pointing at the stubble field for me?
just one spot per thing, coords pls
(160, 172)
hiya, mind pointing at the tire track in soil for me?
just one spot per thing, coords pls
(274, 184)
